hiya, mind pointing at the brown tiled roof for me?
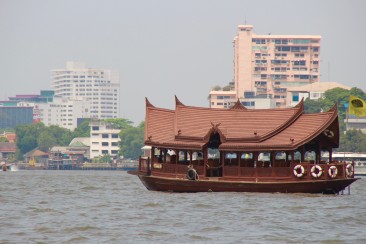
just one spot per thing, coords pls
(7, 147)
(35, 153)
(190, 127)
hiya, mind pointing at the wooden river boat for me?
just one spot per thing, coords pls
(195, 149)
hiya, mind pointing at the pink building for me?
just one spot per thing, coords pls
(269, 64)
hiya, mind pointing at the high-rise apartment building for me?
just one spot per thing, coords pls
(98, 86)
(269, 64)
(266, 66)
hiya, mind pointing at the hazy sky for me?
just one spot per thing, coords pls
(166, 48)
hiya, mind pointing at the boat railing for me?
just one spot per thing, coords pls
(259, 170)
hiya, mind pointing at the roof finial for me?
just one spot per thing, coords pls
(177, 102)
(148, 104)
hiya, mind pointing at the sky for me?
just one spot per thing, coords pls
(163, 48)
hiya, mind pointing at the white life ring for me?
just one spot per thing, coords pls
(349, 170)
(302, 171)
(192, 174)
(332, 171)
(314, 173)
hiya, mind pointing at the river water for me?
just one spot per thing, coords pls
(114, 207)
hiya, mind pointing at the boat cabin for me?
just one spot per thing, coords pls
(240, 143)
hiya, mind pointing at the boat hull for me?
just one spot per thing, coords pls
(155, 183)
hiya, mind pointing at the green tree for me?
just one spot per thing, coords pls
(132, 140)
(63, 136)
(27, 136)
(216, 88)
(352, 141)
(120, 123)
(312, 106)
(46, 140)
(83, 130)
(36, 135)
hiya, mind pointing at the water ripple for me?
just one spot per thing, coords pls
(114, 207)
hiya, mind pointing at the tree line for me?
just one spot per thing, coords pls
(44, 137)
(350, 140)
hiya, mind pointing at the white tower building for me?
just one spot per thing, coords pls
(99, 87)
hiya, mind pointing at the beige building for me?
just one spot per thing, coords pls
(313, 91)
(104, 139)
(267, 65)
(270, 64)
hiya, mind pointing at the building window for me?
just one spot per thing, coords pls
(114, 135)
(95, 128)
(301, 62)
(301, 41)
(249, 94)
(105, 136)
(295, 98)
(259, 41)
(282, 48)
(105, 144)
(114, 151)
(248, 104)
(104, 151)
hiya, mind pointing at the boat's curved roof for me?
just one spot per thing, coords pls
(189, 127)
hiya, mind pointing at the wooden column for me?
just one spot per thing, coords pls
(165, 152)
(302, 154)
(239, 159)
(222, 158)
(176, 160)
(205, 151)
(292, 156)
(330, 154)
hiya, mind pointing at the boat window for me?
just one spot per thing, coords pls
(324, 155)
(230, 155)
(297, 156)
(264, 156)
(182, 156)
(197, 158)
(213, 153)
(309, 155)
(170, 156)
(247, 156)
(231, 158)
(264, 160)
(280, 155)
(197, 155)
